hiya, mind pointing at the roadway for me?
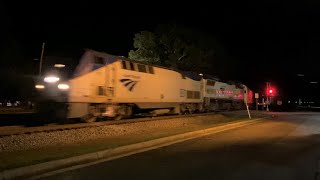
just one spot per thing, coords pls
(285, 147)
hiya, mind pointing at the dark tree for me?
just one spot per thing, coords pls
(178, 47)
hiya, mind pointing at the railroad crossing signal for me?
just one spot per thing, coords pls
(271, 91)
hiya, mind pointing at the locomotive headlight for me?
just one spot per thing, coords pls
(63, 86)
(51, 79)
(39, 86)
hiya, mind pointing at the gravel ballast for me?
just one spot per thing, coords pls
(77, 136)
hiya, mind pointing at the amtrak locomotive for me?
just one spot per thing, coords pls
(110, 86)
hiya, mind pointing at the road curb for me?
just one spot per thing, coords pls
(118, 152)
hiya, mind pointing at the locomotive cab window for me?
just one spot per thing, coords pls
(210, 83)
(98, 60)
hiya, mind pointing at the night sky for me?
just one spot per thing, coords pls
(267, 41)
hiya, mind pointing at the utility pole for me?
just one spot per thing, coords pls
(41, 59)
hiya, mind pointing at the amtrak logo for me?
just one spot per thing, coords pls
(130, 84)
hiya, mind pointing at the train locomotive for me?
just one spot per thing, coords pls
(116, 87)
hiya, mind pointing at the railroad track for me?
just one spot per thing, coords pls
(18, 130)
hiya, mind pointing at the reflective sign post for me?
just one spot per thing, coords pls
(256, 95)
(248, 111)
(246, 101)
(268, 85)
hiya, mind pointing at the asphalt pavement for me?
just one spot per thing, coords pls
(284, 147)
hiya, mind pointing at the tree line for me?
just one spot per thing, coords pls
(180, 48)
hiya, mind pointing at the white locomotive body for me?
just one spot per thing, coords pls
(112, 86)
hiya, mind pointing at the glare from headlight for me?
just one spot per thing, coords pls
(39, 86)
(51, 79)
(63, 86)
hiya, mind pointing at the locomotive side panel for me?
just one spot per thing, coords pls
(152, 87)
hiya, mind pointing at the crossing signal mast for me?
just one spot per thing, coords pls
(270, 92)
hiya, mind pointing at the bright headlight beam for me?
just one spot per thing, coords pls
(39, 86)
(63, 86)
(51, 79)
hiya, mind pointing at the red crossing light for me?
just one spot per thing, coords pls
(271, 91)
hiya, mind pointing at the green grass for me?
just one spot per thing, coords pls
(10, 160)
